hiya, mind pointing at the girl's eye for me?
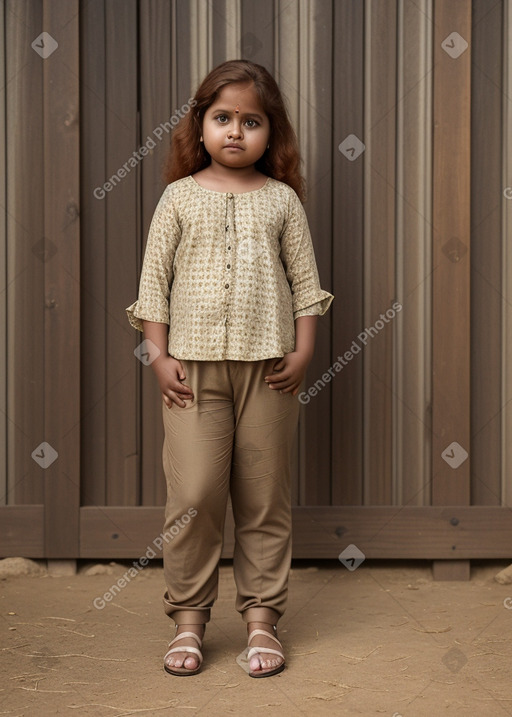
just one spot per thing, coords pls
(221, 119)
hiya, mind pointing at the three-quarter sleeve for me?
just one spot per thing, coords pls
(298, 257)
(157, 269)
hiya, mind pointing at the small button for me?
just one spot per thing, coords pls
(227, 227)
(230, 196)
(226, 286)
(229, 247)
(229, 266)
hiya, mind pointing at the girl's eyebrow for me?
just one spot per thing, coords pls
(244, 114)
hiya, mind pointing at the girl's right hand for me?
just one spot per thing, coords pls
(170, 374)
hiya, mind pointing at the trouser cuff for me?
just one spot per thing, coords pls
(261, 614)
(190, 617)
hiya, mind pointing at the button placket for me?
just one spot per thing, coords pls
(228, 259)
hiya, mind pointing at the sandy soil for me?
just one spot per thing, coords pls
(384, 639)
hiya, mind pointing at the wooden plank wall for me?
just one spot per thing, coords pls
(62, 277)
(3, 268)
(506, 291)
(411, 327)
(451, 265)
(346, 466)
(379, 224)
(379, 285)
(487, 149)
(25, 234)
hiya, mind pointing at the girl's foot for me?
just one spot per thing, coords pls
(183, 663)
(269, 659)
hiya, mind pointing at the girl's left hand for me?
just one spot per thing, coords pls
(292, 369)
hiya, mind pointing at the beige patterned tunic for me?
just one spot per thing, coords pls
(228, 272)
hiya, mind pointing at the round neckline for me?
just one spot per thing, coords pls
(234, 194)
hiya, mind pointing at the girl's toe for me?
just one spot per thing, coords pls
(255, 664)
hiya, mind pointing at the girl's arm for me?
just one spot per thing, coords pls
(169, 371)
(288, 373)
(305, 333)
(158, 334)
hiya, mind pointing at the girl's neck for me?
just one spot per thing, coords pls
(223, 179)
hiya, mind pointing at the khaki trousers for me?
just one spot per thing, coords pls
(234, 437)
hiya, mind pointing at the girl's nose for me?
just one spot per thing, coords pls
(235, 130)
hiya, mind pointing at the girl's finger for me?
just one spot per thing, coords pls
(281, 385)
(278, 378)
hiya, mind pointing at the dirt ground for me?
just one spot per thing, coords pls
(384, 639)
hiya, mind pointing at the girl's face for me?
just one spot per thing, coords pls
(248, 128)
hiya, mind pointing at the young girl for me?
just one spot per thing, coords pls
(228, 301)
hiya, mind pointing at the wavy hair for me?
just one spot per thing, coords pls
(281, 161)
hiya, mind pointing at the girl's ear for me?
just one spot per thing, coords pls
(201, 138)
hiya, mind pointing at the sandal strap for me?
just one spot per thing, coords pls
(263, 632)
(187, 634)
(185, 648)
(262, 650)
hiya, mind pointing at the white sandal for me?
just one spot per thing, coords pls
(182, 671)
(258, 650)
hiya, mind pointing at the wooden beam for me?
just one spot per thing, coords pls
(15, 539)
(451, 254)
(62, 280)
(411, 532)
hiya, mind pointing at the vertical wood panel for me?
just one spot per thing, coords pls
(258, 33)
(506, 237)
(301, 72)
(226, 20)
(122, 229)
(347, 240)
(93, 325)
(379, 245)
(284, 22)
(486, 197)
(315, 142)
(25, 289)
(199, 53)
(62, 280)
(156, 34)
(3, 271)
(411, 325)
(451, 279)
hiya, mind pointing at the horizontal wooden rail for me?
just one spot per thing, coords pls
(22, 531)
(410, 532)
(444, 532)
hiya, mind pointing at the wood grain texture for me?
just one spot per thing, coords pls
(451, 255)
(93, 283)
(122, 231)
(411, 325)
(451, 347)
(487, 98)
(62, 280)
(157, 105)
(379, 247)
(347, 252)
(408, 532)
(4, 466)
(24, 278)
(15, 539)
